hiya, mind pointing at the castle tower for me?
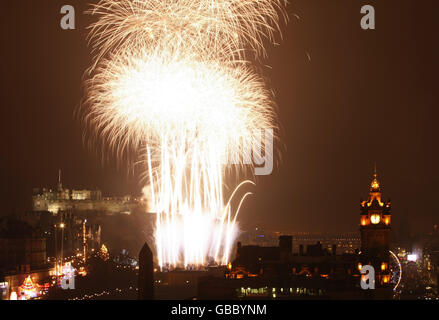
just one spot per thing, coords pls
(63, 194)
(59, 184)
(375, 226)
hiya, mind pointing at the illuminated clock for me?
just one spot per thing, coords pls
(375, 218)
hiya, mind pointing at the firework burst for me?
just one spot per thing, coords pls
(168, 80)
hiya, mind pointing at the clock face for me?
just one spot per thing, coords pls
(375, 218)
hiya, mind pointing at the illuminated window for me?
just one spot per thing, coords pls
(363, 221)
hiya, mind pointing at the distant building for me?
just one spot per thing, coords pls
(347, 242)
(61, 199)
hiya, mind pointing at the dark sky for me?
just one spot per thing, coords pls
(363, 97)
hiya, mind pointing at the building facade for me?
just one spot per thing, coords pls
(62, 199)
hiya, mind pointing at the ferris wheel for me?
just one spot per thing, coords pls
(395, 270)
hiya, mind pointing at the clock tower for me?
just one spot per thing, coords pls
(375, 225)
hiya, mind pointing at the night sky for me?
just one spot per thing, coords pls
(346, 98)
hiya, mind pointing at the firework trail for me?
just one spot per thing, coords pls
(168, 79)
(226, 29)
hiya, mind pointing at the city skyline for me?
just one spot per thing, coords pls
(54, 198)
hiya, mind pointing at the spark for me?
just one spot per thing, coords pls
(225, 28)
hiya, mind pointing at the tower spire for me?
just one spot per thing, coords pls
(60, 189)
(375, 185)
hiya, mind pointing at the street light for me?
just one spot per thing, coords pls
(56, 250)
(62, 226)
